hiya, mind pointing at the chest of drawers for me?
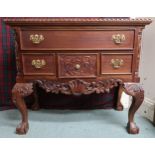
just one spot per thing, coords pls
(77, 56)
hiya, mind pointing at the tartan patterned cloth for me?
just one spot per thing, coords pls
(7, 65)
(8, 74)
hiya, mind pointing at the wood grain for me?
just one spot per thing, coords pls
(75, 39)
(107, 67)
(48, 69)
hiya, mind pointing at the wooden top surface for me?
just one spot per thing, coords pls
(77, 21)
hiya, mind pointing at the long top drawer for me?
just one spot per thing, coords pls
(76, 39)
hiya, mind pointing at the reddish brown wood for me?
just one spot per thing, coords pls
(19, 91)
(107, 66)
(75, 39)
(28, 78)
(77, 65)
(137, 93)
(119, 105)
(119, 21)
(90, 27)
(79, 87)
(35, 105)
(137, 56)
(47, 69)
(68, 42)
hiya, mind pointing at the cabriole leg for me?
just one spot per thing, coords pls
(137, 93)
(19, 91)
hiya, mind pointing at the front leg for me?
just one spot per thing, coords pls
(19, 91)
(137, 93)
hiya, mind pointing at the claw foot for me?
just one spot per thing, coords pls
(22, 128)
(132, 128)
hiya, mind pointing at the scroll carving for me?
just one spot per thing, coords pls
(79, 87)
(77, 65)
(24, 89)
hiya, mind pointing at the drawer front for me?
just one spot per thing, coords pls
(116, 63)
(76, 39)
(38, 64)
(77, 65)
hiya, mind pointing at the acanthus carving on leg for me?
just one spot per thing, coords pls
(19, 91)
(137, 93)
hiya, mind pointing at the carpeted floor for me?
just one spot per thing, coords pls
(74, 123)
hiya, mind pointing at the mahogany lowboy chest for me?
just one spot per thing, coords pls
(77, 56)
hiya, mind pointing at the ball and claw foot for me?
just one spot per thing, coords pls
(22, 128)
(136, 91)
(132, 128)
(19, 91)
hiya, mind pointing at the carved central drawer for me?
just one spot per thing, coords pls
(77, 65)
(76, 39)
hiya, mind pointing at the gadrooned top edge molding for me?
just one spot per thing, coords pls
(77, 20)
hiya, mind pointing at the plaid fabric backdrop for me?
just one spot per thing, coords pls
(8, 74)
(7, 65)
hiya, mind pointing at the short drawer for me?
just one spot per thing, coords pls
(76, 39)
(116, 63)
(77, 65)
(38, 64)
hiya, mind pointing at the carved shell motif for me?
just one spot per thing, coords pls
(79, 87)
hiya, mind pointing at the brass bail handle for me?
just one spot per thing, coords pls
(38, 63)
(117, 63)
(118, 38)
(36, 38)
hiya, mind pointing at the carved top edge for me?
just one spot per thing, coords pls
(76, 20)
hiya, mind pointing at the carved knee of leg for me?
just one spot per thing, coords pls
(14, 97)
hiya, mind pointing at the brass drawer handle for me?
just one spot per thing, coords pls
(36, 38)
(117, 63)
(118, 38)
(77, 66)
(38, 63)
